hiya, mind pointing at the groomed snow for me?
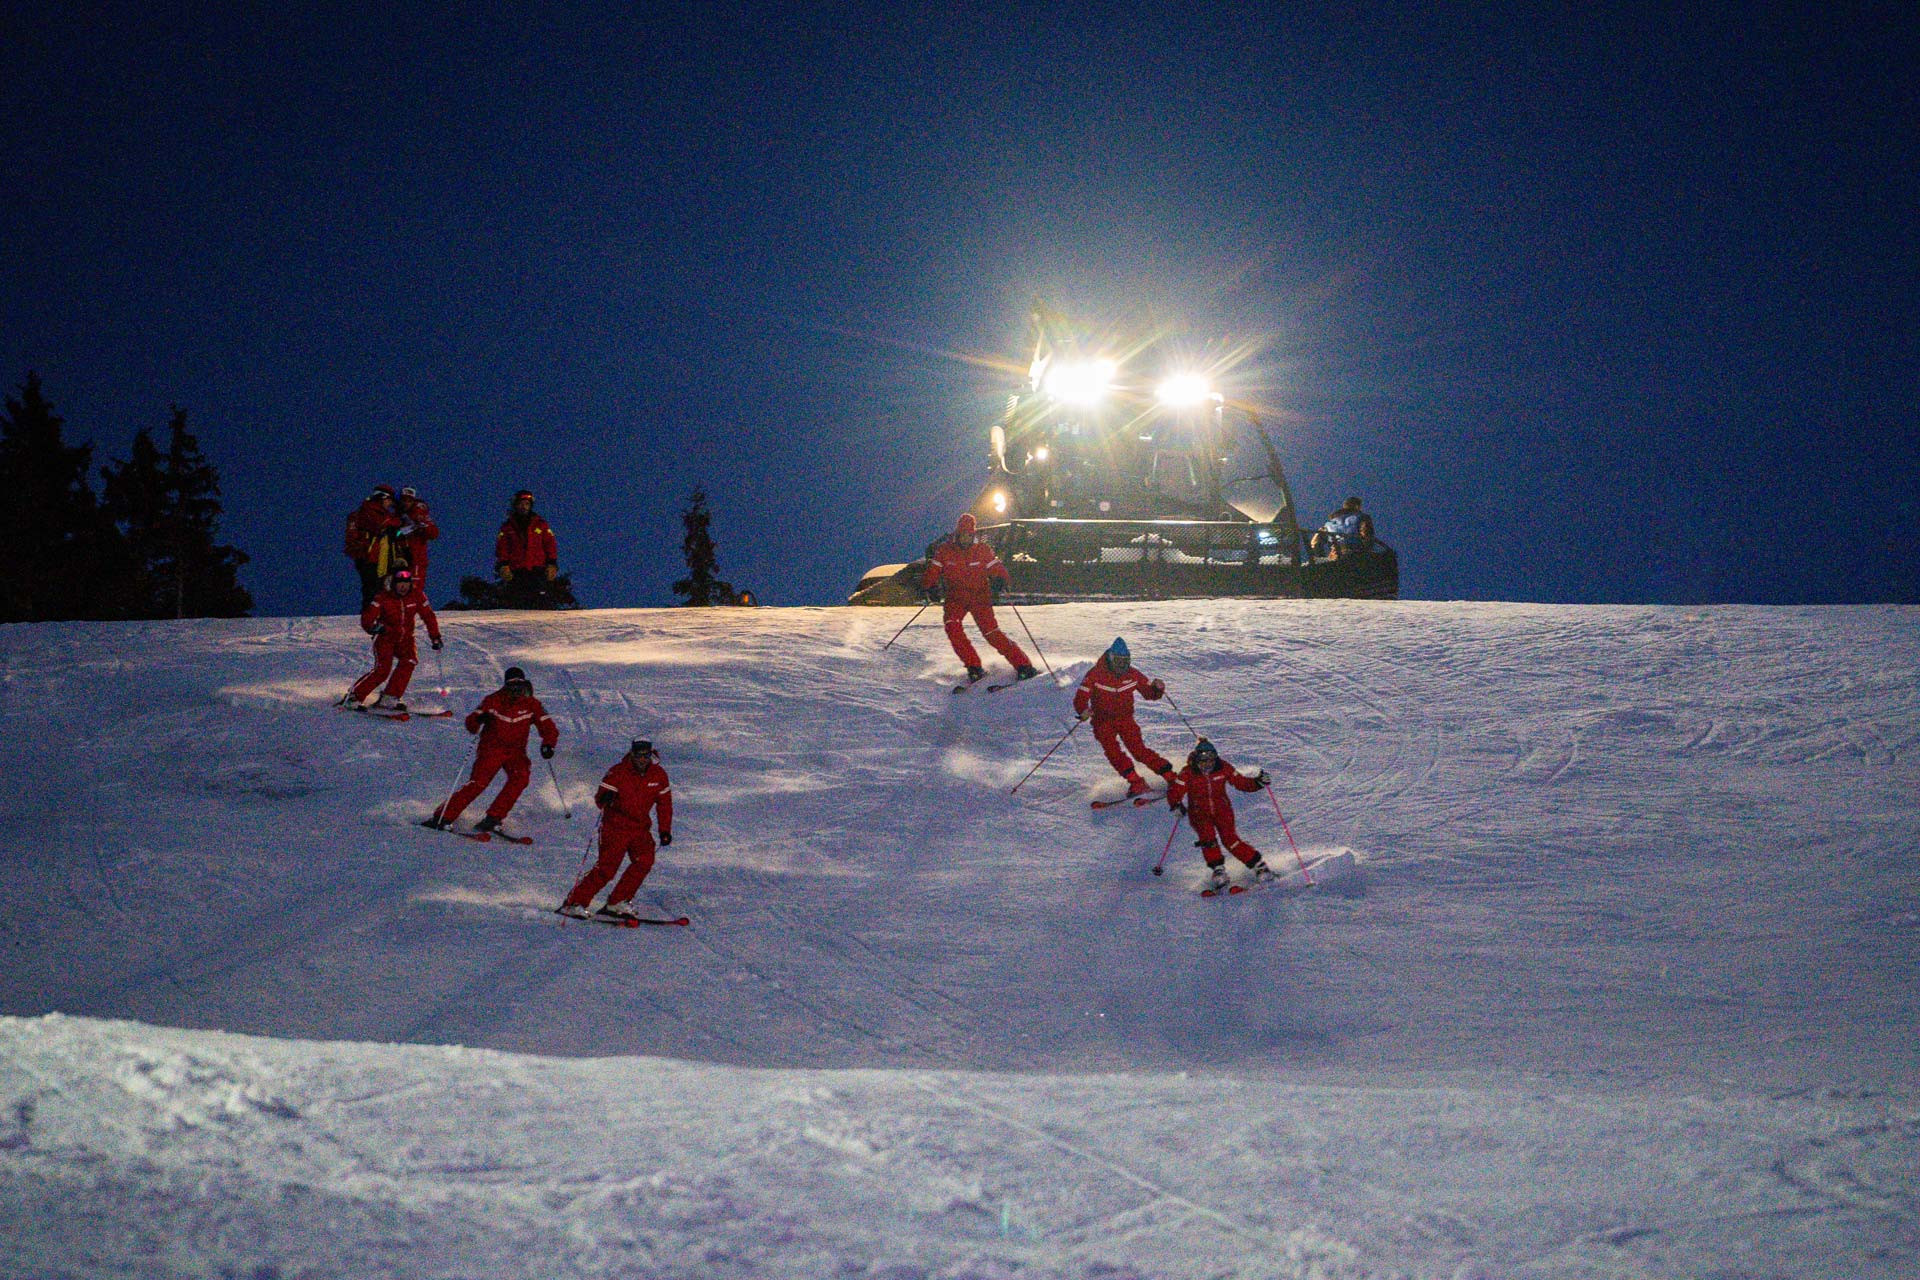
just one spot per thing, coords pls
(1627, 982)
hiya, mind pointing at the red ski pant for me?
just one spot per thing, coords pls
(519, 771)
(1119, 736)
(982, 610)
(389, 655)
(1217, 831)
(619, 840)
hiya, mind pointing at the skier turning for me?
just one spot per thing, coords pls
(503, 720)
(1107, 694)
(388, 618)
(968, 576)
(633, 790)
(1203, 786)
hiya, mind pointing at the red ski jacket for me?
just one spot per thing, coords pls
(369, 522)
(425, 530)
(508, 721)
(526, 546)
(1110, 693)
(968, 571)
(1206, 793)
(627, 794)
(391, 614)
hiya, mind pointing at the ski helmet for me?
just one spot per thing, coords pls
(409, 491)
(523, 493)
(966, 525)
(515, 676)
(642, 747)
(1202, 749)
(1119, 648)
(381, 491)
(402, 575)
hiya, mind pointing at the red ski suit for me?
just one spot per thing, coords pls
(389, 620)
(1211, 812)
(968, 573)
(525, 544)
(371, 521)
(627, 796)
(503, 724)
(414, 546)
(1109, 695)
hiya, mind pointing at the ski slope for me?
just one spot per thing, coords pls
(1627, 983)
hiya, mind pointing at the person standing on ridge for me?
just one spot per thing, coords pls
(634, 790)
(504, 719)
(389, 618)
(526, 555)
(417, 529)
(1200, 792)
(967, 576)
(370, 532)
(1107, 694)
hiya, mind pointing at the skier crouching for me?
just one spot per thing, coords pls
(966, 576)
(633, 790)
(1202, 786)
(504, 720)
(389, 619)
(1107, 694)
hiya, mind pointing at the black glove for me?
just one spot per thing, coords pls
(601, 799)
(377, 628)
(995, 586)
(934, 593)
(546, 751)
(1178, 806)
(436, 645)
(1265, 779)
(666, 838)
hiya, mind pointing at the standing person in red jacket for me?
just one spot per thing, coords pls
(965, 573)
(503, 720)
(1202, 786)
(417, 529)
(370, 540)
(1107, 692)
(389, 618)
(633, 790)
(526, 555)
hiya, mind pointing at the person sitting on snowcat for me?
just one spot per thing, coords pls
(1348, 531)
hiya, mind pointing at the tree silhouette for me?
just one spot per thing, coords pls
(58, 544)
(167, 507)
(701, 586)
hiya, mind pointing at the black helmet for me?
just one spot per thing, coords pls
(515, 676)
(641, 747)
(1202, 748)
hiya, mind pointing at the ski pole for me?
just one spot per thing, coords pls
(558, 794)
(902, 631)
(1183, 715)
(1043, 759)
(1177, 815)
(1283, 826)
(440, 665)
(465, 765)
(593, 842)
(1029, 630)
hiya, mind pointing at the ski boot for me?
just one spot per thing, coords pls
(434, 822)
(1137, 786)
(1217, 877)
(976, 674)
(1027, 672)
(488, 824)
(572, 910)
(1261, 871)
(389, 703)
(619, 911)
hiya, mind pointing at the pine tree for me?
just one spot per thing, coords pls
(701, 586)
(58, 545)
(167, 506)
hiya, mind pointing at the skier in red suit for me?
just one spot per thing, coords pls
(964, 572)
(389, 618)
(1107, 694)
(526, 544)
(634, 790)
(418, 528)
(504, 719)
(1200, 791)
(369, 542)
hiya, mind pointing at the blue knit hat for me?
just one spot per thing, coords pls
(1119, 646)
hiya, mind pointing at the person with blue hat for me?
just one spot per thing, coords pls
(1107, 695)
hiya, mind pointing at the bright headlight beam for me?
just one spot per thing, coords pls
(1083, 383)
(1185, 391)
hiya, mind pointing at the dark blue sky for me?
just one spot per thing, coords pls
(1600, 307)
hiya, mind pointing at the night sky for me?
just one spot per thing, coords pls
(1609, 306)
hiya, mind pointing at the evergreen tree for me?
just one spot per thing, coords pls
(701, 586)
(58, 545)
(167, 506)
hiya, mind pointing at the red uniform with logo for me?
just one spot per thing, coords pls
(1211, 812)
(526, 545)
(967, 573)
(420, 528)
(1109, 695)
(504, 723)
(628, 799)
(389, 620)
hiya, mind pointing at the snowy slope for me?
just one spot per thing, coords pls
(1630, 990)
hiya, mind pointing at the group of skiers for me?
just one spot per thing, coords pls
(391, 531)
(635, 792)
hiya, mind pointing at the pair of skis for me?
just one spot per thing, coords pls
(481, 837)
(623, 922)
(379, 713)
(993, 688)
